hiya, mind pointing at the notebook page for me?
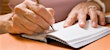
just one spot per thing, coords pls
(90, 36)
(74, 32)
(90, 39)
(58, 26)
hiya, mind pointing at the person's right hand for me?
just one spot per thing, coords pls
(30, 17)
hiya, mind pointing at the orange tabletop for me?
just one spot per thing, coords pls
(101, 44)
(13, 42)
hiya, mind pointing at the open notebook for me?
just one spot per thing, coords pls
(73, 36)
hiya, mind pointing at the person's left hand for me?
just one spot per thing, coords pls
(81, 11)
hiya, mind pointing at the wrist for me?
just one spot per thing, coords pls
(4, 22)
(3, 27)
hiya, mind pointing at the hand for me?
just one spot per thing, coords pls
(83, 11)
(30, 17)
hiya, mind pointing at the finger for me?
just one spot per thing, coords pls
(101, 17)
(40, 10)
(72, 17)
(82, 19)
(51, 11)
(19, 27)
(29, 25)
(31, 16)
(19, 6)
(93, 16)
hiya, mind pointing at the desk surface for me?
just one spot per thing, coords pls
(13, 42)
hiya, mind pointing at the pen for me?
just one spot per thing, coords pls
(38, 2)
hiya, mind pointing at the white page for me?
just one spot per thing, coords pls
(74, 33)
(58, 26)
(89, 39)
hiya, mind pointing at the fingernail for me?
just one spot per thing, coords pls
(82, 24)
(52, 21)
(65, 25)
(94, 24)
(102, 23)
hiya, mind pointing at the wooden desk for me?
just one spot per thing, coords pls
(10, 42)
(102, 44)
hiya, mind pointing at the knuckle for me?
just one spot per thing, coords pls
(71, 18)
(15, 17)
(18, 7)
